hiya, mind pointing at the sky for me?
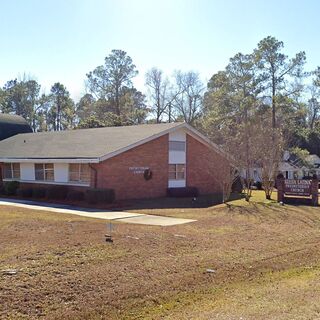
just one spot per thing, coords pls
(62, 40)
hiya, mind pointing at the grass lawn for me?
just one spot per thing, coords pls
(265, 257)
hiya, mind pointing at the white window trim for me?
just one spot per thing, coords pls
(44, 172)
(79, 174)
(11, 169)
(176, 172)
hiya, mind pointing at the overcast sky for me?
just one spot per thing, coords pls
(62, 40)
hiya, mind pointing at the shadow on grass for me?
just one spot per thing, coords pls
(204, 201)
(236, 196)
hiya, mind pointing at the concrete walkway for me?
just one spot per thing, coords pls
(121, 216)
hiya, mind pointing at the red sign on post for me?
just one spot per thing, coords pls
(297, 187)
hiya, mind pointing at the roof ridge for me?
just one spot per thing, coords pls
(108, 127)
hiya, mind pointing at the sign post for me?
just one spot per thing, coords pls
(315, 191)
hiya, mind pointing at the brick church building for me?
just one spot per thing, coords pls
(140, 161)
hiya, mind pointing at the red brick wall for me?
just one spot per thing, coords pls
(114, 173)
(204, 166)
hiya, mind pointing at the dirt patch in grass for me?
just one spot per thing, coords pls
(266, 260)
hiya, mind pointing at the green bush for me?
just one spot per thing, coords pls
(74, 195)
(100, 196)
(39, 192)
(24, 193)
(57, 192)
(10, 188)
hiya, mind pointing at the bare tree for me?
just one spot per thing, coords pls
(269, 154)
(240, 147)
(188, 96)
(223, 173)
(158, 92)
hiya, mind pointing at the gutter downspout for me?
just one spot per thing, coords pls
(95, 175)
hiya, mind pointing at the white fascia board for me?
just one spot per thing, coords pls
(139, 143)
(28, 160)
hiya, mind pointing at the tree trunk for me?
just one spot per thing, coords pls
(273, 103)
(170, 107)
(34, 122)
(158, 107)
(118, 112)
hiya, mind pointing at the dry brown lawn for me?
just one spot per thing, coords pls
(266, 259)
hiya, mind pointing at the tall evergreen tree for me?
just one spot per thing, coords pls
(276, 70)
(61, 113)
(111, 81)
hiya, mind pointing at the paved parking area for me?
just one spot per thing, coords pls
(121, 216)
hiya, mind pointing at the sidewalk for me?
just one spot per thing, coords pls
(121, 216)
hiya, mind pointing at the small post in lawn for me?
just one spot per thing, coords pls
(315, 190)
(280, 188)
(109, 230)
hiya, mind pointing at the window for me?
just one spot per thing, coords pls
(176, 171)
(11, 171)
(44, 171)
(177, 146)
(79, 172)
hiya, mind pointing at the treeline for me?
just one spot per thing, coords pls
(111, 98)
(264, 85)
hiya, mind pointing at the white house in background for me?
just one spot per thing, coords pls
(291, 167)
(290, 171)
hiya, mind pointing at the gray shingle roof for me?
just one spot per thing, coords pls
(82, 143)
(11, 125)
